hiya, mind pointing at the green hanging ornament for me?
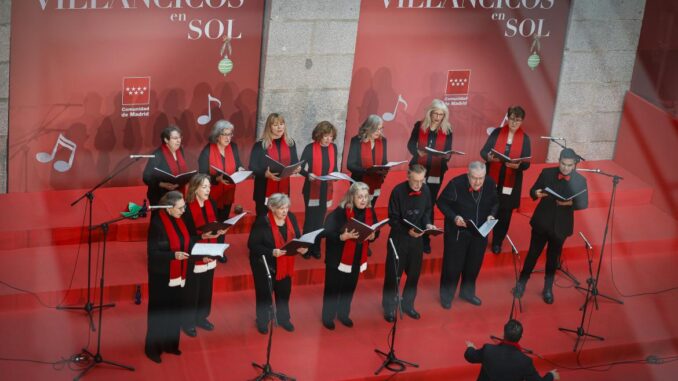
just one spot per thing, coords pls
(225, 66)
(132, 211)
(534, 59)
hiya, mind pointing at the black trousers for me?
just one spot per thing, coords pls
(410, 251)
(462, 257)
(339, 290)
(538, 240)
(501, 229)
(164, 316)
(281, 291)
(433, 191)
(196, 297)
(314, 219)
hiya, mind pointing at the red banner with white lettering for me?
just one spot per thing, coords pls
(93, 82)
(478, 56)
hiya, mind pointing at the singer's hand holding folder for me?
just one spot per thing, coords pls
(435, 152)
(432, 232)
(387, 166)
(562, 198)
(236, 177)
(363, 229)
(281, 170)
(305, 241)
(483, 229)
(209, 249)
(216, 225)
(180, 179)
(506, 159)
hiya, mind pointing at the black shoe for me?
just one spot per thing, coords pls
(369, 252)
(427, 247)
(262, 328)
(223, 259)
(519, 290)
(175, 352)
(306, 256)
(413, 314)
(547, 294)
(190, 331)
(496, 249)
(446, 305)
(329, 325)
(346, 321)
(316, 254)
(472, 299)
(389, 317)
(206, 325)
(287, 326)
(154, 357)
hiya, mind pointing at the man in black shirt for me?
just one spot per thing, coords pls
(553, 220)
(410, 201)
(506, 360)
(467, 198)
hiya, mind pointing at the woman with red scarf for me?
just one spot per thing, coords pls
(169, 158)
(434, 132)
(197, 294)
(509, 140)
(270, 232)
(222, 153)
(345, 258)
(321, 159)
(169, 243)
(367, 149)
(276, 144)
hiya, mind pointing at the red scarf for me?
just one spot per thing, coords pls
(514, 152)
(284, 264)
(511, 343)
(439, 144)
(222, 193)
(177, 267)
(177, 166)
(372, 180)
(348, 254)
(199, 220)
(283, 156)
(317, 169)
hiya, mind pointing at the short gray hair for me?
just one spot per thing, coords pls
(476, 166)
(219, 128)
(277, 201)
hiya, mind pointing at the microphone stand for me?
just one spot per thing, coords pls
(589, 296)
(97, 357)
(391, 362)
(563, 146)
(89, 195)
(266, 369)
(592, 280)
(516, 272)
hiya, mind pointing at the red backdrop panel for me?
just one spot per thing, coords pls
(424, 49)
(108, 76)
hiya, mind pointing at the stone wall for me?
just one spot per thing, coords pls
(5, 13)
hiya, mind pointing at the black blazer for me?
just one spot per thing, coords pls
(307, 155)
(551, 218)
(505, 363)
(258, 165)
(354, 162)
(457, 200)
(158, 248)
(154, 192)
(204, 161)
(412, 147)
(401, 206)
(513, 201)
(261, 240)
(334, 227)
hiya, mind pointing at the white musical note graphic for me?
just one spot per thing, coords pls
(501, 124)
(204, 119)
(59, 165)
(387, 116)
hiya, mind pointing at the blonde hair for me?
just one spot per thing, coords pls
(369, 126)
(194, 183)
(347, 201)
(267, 135)
(438, 105)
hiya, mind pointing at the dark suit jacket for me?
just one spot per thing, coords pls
(551, 218)
(457, 200)
(261, 241)
(354, 162)
(503, 363)
(151, 179)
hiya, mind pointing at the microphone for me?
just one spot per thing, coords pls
(141, 156)
(395, 252)
(552, 138)
(513, 247)
(268, 272)
(151, 207)
(587, 170)
(586, 241)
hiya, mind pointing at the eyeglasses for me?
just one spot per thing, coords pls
(438, 113)
(182, 208)
(516, 120)
(226, 134)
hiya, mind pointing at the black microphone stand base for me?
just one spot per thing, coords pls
(595, 294)
(89, 308)
(580, 333)
(392, 363)
(96, 360)
(267, 372)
